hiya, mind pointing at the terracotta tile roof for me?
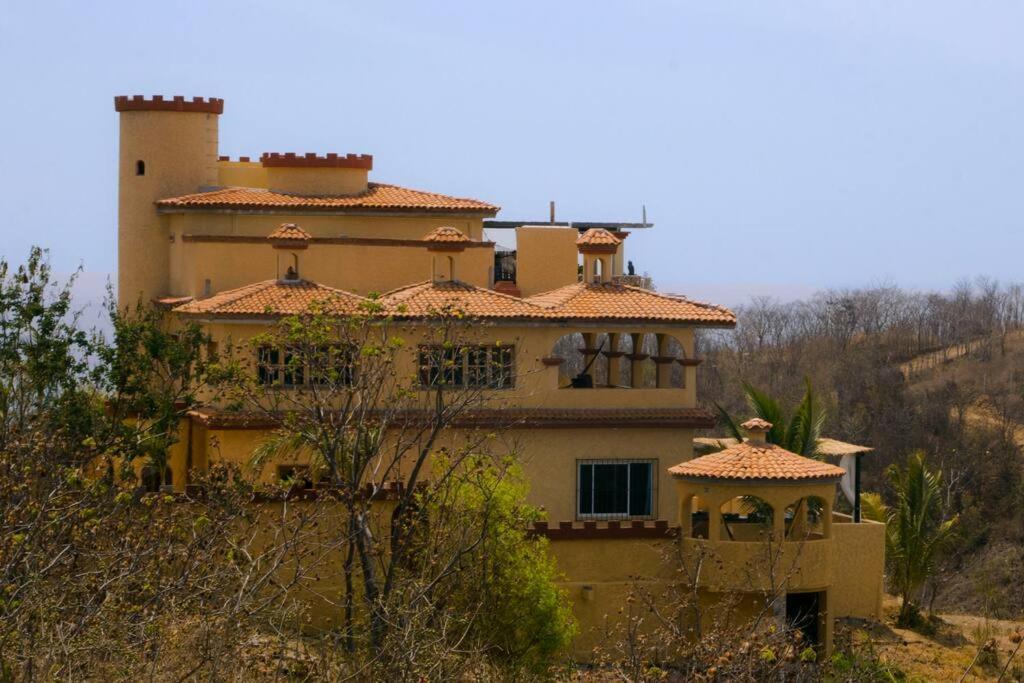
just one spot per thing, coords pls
(757, 462)
(446, 234)
(523, 418)
(429, 298)
(614, 301)
(290, 231)
(377, 197)
(598, 237)
(756, 424)
(425, 299)
(274, 297)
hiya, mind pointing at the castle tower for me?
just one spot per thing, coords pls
(168, 147)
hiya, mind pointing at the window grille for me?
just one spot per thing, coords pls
(482, 366)
(333, 365)
(616, 489)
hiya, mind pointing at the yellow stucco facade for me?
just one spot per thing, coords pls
(193, 229)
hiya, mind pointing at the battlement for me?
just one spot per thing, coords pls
(313, 160)
(211, 105)
(240, 160)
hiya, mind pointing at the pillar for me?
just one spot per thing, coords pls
(663, 363)
(614, 357)
(637, 358)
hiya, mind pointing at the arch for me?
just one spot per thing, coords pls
(808, 519)
(140, 167)
(746, 518)
(598, 269)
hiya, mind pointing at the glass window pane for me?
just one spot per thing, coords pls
(586, 489)
(610, 492)
(640, 489)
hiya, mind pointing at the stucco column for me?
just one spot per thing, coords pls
(614, 357)
(778, 523)
(637, 358)
(798, 529)
(663, 363)
(714, 522)
(686, 516)
(826, 520)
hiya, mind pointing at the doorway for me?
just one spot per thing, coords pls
(806, 612)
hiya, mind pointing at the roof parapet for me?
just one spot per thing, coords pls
(210, 105)
(313, 160)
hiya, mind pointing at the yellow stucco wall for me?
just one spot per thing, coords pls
(859, 558)
(317, 181)
(546, 258)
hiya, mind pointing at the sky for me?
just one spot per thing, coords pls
(779, 148)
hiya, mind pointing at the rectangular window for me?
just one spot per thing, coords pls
(615, 489)
(328, 365)
(482, 366)
(332, 366)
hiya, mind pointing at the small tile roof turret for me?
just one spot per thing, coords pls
(598, 239)
(446, 234)
(290, 234)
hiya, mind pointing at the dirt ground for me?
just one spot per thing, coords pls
(944, 650)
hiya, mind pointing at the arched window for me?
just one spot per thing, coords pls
(140, 167)
(598, 269)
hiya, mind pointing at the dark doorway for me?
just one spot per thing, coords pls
(804, 612)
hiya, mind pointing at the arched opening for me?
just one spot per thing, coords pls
(140, 167)
(746, 518)
(806, 519)
(598, 269)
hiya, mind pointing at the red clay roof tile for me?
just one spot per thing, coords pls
(756, 462)
(615, 301)
(272, 298)
(377, 197)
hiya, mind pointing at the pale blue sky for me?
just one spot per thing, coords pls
(777, 146)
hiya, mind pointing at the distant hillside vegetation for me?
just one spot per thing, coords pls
(902, 371)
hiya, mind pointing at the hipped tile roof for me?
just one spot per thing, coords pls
(610, 302)
(432, 297)
(377, 197)
(446, 234)
(598, 237)
(756, 462)
(290, 231)
(273, 298)
(614, 301)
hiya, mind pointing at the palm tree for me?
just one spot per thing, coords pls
(799, 434)
(915, 531)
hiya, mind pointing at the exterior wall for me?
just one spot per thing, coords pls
(358, 268)
(859, 551)
(546, 258)
(241, 174)
(537, 384)
(317, 181)
(179, 150)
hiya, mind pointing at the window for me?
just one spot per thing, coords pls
(330, 365)
(612, 489)
(484, 366)
(140, 167)
(297, 476)
(278, 368)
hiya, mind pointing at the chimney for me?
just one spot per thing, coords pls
(757, 430)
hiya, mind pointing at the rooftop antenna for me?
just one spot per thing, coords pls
(552, 208)
(644, 211)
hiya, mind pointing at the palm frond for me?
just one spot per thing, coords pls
(729, 422)
(767, 408)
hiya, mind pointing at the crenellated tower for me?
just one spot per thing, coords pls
(168, 147)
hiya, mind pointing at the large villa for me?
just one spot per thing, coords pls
(593, 372)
